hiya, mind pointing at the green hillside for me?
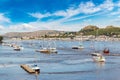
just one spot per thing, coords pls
(94, 30)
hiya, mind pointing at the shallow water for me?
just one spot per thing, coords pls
(67, 64)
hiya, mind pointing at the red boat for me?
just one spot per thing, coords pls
(106, 51)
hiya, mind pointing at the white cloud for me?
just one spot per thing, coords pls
(88, 8)
(85, 8)
(108, 5)
(3, 18)
(115, 13)
(61, 13)
(39, 15)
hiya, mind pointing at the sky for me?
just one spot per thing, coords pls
(63, 15)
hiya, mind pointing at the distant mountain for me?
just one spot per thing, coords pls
(33, 34)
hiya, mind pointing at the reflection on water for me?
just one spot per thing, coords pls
(67, 64)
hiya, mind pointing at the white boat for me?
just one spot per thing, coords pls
(53, 50)
(80, 46)
(35, 68)
(16, 48)
(97, 57)
(49, 47)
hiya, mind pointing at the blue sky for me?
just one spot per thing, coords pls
(65, 15)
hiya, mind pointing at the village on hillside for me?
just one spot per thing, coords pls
(87, 33)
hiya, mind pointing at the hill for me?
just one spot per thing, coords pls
(93, 30)
(39, 33)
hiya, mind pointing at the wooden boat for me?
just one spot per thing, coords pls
(30, 68)
(44, 50)
(50, 47)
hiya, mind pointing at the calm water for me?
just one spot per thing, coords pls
(67, 64)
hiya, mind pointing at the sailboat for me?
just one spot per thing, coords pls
(80, 46)
(49, 47)
(53, 48)
(96, 56)
(106, 50)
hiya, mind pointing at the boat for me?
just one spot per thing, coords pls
(35, 68)
(31, 68)
(16, 48)
(49, 48)
(80, 46)
(106, 51)
(43, 50)
(97, 57)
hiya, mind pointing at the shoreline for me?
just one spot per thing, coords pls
(69, 39)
